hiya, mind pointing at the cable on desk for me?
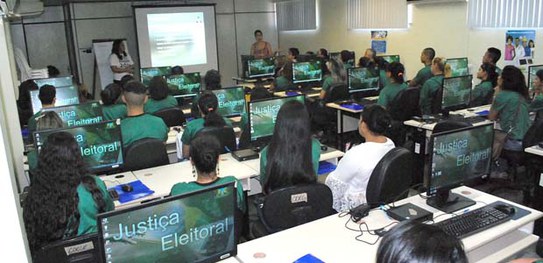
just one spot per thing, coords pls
(113, 181)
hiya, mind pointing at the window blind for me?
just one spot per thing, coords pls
(296, 15)
(376, 14)
(505, 13)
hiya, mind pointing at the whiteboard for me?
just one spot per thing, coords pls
(102, 69)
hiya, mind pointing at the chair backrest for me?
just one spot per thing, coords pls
(338, 91)
(145, 153)
(534, 135)
(295, 205)
(225, 135)
(81, 249)
(391, 177)
(173, 116)
(448, 125)
(436, 101)
(405, 105)
(483, 100)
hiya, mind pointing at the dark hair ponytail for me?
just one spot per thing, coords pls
(396, 70)
(209, 104)
(377, 119)
(204, 153)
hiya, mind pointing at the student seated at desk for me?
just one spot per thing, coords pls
(413, 241)
(158, 96)
(283, 79)
(430, 88)
(510, 107)
(207, 105)
(204, 157)
(426, 57)
(49, 120)
(395, 74)
(47, 96)
(292, 157)
(111, 107)
(482, 92)
(382, 66)
(63, 199)
(492, 56)
(138, 124)
(338, 74)
(537, 98)
(212, 81)
(350, 179)
(345, 57)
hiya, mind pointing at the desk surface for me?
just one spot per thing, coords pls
(314, 94)
(329, 154)
(318, 236)
(534, 150)
(339, 107)
(465, 112)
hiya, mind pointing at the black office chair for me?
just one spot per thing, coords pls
(291, 206)
(450, 125)
(405, 105)
(391, 177)
(225, 135)
(483, 100)
(436, 101)
(81, 249)
(173, 116)
(336, 92)
(145, 153)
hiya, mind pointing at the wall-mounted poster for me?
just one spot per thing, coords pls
(519, 46)
(379, 41)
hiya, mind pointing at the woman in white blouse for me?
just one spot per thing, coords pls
(350, 179)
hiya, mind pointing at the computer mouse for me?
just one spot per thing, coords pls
(507, 209)
(127, 188)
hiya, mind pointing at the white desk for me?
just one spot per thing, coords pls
(331, 155)
(534, 150)
(466, 113)
(330, 241)
(309, 95)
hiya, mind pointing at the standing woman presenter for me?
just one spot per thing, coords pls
(261, 48)
(120, 61)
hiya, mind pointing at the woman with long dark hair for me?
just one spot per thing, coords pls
(208, 105)
(338, 74)
(63, 199)
(395, 73)
(158, 96)
(292, 157)
(120, 61)
(482, 92)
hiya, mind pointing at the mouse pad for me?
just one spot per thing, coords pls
(482, 113)
(326, 167)
(139, 190)
(519, 212)
(352, 106)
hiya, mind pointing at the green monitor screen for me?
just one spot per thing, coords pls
(79, 114)
(263, 114)
(146, 74)
(184, 85)
(532, 70)
(456, 93)
(198, 226)
(64, 96)
(264, 67)
(310, 71)
(100, 144)
(391, 58)
(363, 80)
(459, 66)
(231, 101)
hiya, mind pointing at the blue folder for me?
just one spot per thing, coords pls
(482, 113)
(325, 167)
(352, 106)
(139, 190)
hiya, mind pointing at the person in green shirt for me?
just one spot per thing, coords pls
(510, 107)
(338, 74)
(208, 105)
(49, 120)
(159, 98)
(347, 59)
(492, 56)
(482, 92)
(283, 79)
(139, 125)
(395, 74)
(47, 96)
(63, 199)
(212, 81)
(291, 157)
(431, 86)
(111, 109)
(537, 99)
(426, 57)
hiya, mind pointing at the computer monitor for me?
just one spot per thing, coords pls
(456, 93)
(100, 144)
(184, 85)
(456, 158)
(305, 72)
(231, 101)
(391, 58)
(198, 226)
(244, 65)
(532, 70)
(459, 66)
(263, 114)
(79, 114)
(64, 96)
(306, 57)
(263, 67)
(337, 56)
(334, 55)
(146, 74)
(363, 82)
(57, 82)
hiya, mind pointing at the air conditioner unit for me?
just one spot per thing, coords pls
(435, 1)
(19, 8)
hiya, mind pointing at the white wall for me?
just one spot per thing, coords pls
(441, 26)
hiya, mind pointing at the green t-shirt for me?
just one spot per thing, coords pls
(537, 103)
(315, 156)
(194, 126)
(423, 75)
(383, 78)
(481, 91)
(88, 209)
(32, 123)
(153, 106)
(389, 93)
(513, 114)
(327, 83)
(428, 92)
(186, 187)
(281, 83)
(32, 157)
(143, 126)
(115, 111)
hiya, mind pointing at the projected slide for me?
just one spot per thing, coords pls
(173, 34)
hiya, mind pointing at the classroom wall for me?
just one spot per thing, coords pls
(442, 26)
(44, 37)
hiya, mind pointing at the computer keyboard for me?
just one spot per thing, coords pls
(475, 119)
(365, 101)
(473, 222)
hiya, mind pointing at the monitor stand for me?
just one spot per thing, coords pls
(449, 202)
